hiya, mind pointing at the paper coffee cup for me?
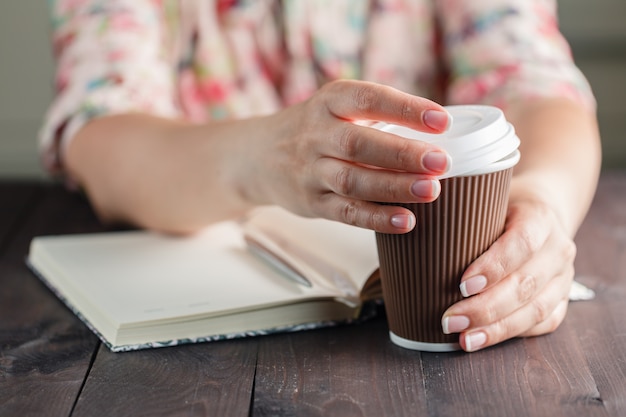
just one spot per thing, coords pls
(421, 270)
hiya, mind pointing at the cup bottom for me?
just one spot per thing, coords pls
(423, 346)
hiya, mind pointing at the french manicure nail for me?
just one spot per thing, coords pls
(437, 120)
(473, 285)
(403, 221)
(426, 188)
(454, 324)
(437, 161)
(474, 341)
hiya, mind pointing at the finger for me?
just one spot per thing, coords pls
(368, 215)
(364, 183)
(481, 339)
(359, 100)
(369, 146)
(541, 316)
(552, 323)
(513, 292)
(523, 237)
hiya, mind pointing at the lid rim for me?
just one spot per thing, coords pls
(479, 136)
(507, 162)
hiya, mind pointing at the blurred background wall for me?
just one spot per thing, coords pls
(26, 70)
(595, 28)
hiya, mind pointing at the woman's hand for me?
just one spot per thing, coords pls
(520, 285)
(321, 159)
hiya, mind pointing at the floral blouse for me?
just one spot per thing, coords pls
(213, 59)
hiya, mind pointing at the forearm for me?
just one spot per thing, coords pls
(561, 157)
(162, 174)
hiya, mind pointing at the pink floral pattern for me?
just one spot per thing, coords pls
(213, 59)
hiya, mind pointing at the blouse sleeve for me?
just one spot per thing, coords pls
(111, 57)
(499, 51)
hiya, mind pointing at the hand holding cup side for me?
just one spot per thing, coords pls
(323, 161)
(516, 288)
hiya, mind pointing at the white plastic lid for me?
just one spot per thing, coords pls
(478, 137)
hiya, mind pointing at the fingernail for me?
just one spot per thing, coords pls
(474, 341)
(426, 188)
(437, 120)
(436, 161)
(403, 221)
(454, 324)
(473, 285)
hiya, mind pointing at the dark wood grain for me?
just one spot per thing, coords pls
(212, 379)
(16, 202)
(52, 365)
(343, 371)
(543, 376)
(356, 371)
(601, 263)
(45, 351)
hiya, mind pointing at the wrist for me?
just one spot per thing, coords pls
(529, 190)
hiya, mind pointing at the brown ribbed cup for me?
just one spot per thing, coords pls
(421, 270)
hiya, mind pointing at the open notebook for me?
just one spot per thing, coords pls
(272, 272)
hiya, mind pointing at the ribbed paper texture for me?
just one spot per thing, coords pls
(421, 270)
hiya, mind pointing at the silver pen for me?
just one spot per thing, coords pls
(276, 261)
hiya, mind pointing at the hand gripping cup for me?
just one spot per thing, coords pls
(421, 270)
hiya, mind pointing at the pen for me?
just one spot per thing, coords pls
(278, 262)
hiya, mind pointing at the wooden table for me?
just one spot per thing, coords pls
(51, 365)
